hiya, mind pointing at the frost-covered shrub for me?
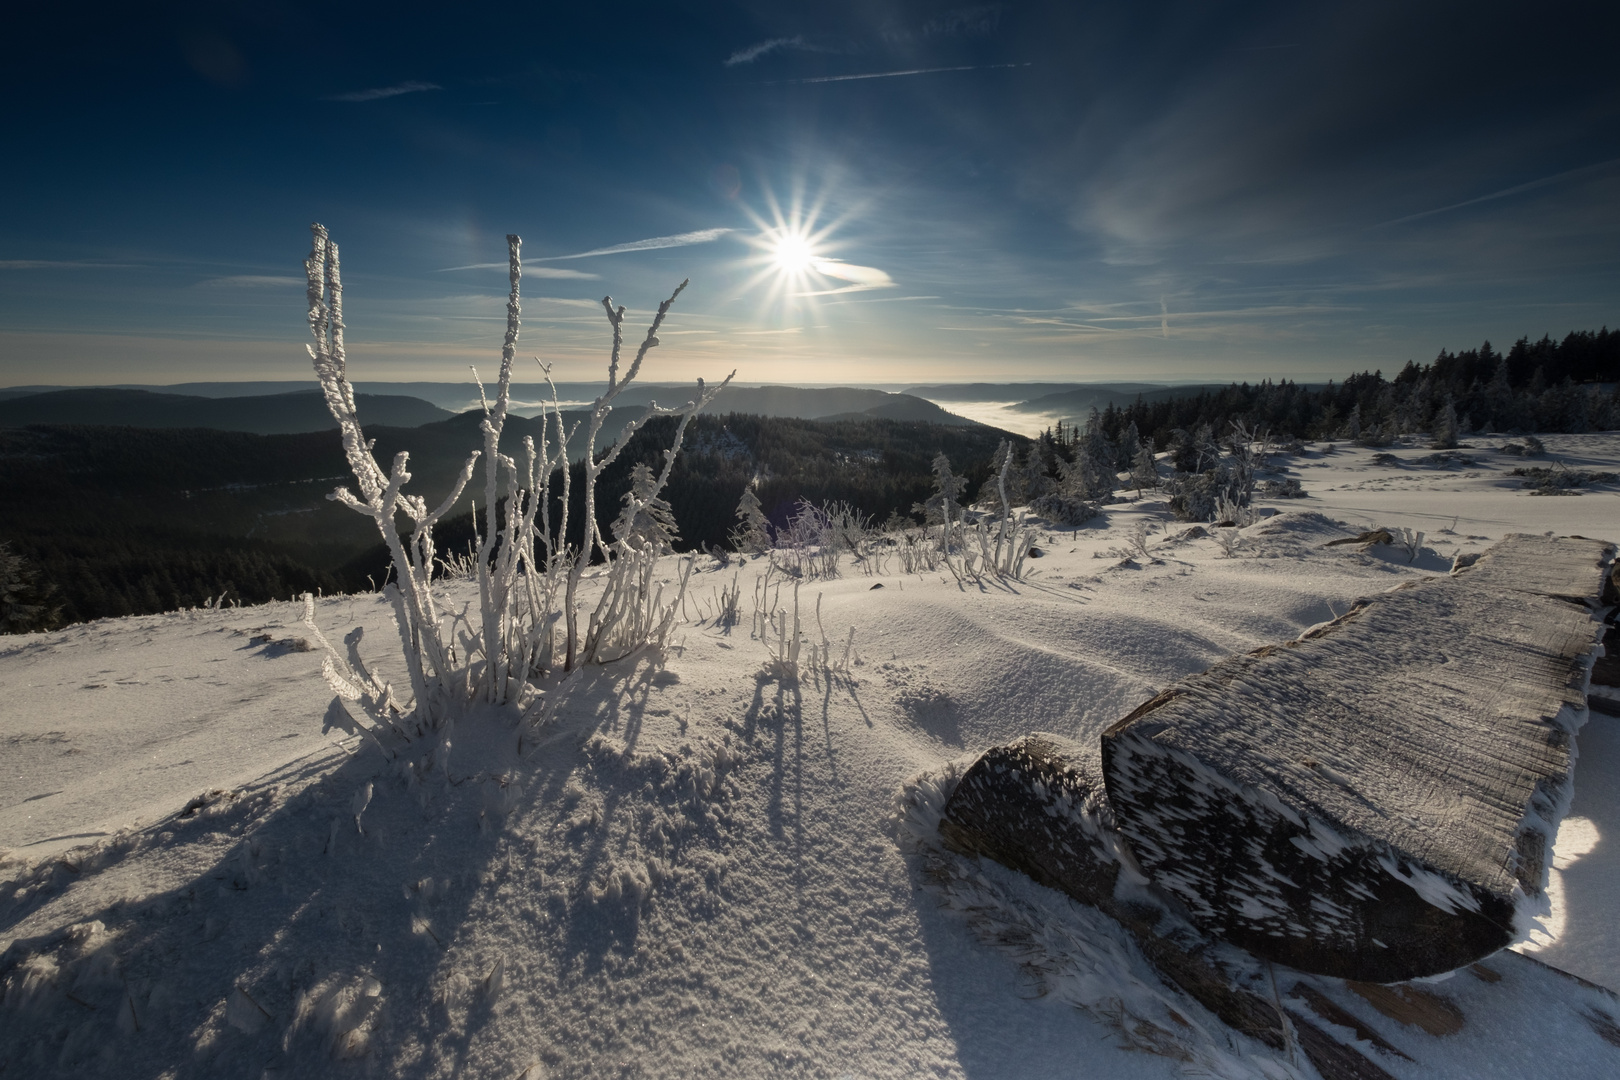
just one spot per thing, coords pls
(1280, 489)
(808, 546)
(1530, 447)
(528, 577)
(1409, 541)
(1193, 495)
(1063, 509)
(1445, 460)
(1136, 545)
(1558, 478)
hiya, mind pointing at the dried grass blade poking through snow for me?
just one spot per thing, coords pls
(528, 578)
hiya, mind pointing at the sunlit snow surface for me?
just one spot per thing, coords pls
(696, 873)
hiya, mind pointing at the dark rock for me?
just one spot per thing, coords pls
(1039, 806)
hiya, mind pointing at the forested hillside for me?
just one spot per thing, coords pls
(1544, 385)
(128, 521)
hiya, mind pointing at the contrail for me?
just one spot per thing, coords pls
(701, 236)
(895, 74)
(1504, 193)
(380, 92)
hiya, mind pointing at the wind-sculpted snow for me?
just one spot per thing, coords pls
(690, 872)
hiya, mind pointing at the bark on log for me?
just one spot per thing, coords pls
(1374, 800)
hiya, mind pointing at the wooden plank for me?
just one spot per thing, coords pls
(1370, 801)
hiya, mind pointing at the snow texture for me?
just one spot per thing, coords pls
(696, 873)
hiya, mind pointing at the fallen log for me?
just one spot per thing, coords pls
(1039, 806)
(1376, 800)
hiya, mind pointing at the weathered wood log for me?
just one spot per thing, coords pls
(1375, 800)
(1040, 807)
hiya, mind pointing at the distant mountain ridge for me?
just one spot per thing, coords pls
(305, 410)
(272, 414)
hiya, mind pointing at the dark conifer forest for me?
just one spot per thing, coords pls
(1566, 386)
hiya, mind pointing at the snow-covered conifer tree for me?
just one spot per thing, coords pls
(1144, 470)
(1033, 480)
(1445, 425)
(647, 521)
(753, 531)
(1130, 442)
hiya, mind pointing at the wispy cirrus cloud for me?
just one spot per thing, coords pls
(60, 264)
(975, 21)
(252, 281)
(529, 270)
(760, 48)
(377, 93)
(686, 239)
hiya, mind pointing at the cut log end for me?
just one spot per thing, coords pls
(1038, 805)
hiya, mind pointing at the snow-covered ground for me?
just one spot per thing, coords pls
(696, 871)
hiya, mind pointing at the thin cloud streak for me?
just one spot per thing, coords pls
(528, 271)
(894, 74)
(1505, 192)
(759, 49)
(52, 264)
(377, 93)
(700, 236)
(880, 300)
(251, 281)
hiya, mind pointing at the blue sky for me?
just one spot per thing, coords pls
(1003, 191)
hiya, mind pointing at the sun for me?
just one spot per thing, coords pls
(792, 253)
(795, 259)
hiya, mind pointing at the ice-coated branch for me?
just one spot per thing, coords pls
(522, 597)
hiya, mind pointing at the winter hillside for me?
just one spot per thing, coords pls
(696, 866)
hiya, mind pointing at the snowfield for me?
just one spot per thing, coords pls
(697, 869)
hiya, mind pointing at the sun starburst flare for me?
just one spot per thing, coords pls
(795, 260)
